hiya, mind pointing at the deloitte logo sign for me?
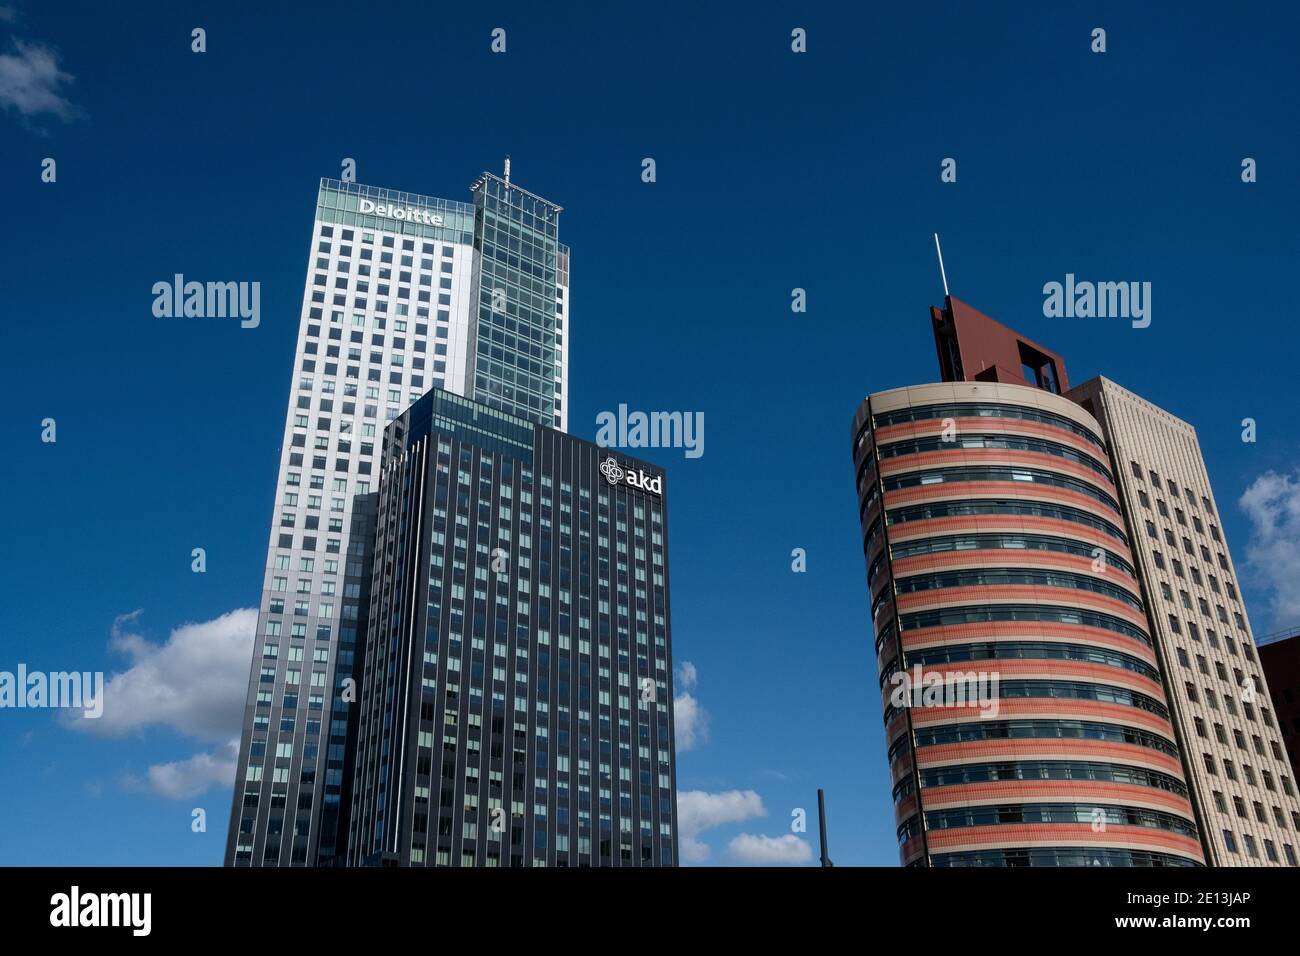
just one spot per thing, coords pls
(616, 474)
(400, 213)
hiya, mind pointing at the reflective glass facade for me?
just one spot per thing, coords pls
(518, 336)
(388, 314)
(517, 701)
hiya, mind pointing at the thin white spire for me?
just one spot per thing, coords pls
(937, 248)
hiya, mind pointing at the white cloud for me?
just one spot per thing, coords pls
(195, 683)
(1272, 502)
(690, 719)
(749, 849)
(32, 83)
(183, 779)
(698, 810)
(687, 675)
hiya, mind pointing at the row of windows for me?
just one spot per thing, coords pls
(492, 859)
(1030, 650)
(307, 383)
(1189, 550)
(1008, 541)
(1022, 813)
(360, 283)
(1035, 476)
(1173, 488)
(1051, 770)
(1230, 771)
(998, 506)
(952, 616)
(1006, 577)
(388, 242)
(339, 301)
(1179, 515)
(1279, 818)
(1059, 856)
(1229, 702)
(964, 442)
(1252, 851)
(985, 410)
(1167, 593)
(1194, 630)
(1239, 677)
(1035, 730)
(1064, 690)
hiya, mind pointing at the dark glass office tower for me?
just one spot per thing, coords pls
(516, 707)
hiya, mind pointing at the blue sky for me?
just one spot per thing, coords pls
(774, 171)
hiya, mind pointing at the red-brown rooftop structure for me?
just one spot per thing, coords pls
(974, 348)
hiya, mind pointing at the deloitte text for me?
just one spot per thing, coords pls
(400, 213)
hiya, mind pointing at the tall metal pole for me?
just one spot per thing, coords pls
(821, 823)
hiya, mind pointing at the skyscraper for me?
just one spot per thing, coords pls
(1234, 755)
(1279, 654)
(516, 707)
(404, 294)
(984, 509)
(1008, 531)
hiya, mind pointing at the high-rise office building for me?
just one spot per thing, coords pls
(1008, 532)
(516, 707)
(1279, 654)
(984, 508)
(1232, 746)
(404, 294)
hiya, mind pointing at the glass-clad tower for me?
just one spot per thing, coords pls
(516, 708)
(404, 294)
(521, 282)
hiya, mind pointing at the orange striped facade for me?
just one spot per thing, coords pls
(1083, 729)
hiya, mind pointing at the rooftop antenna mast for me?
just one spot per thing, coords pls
(937, 249)
(508, 177)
